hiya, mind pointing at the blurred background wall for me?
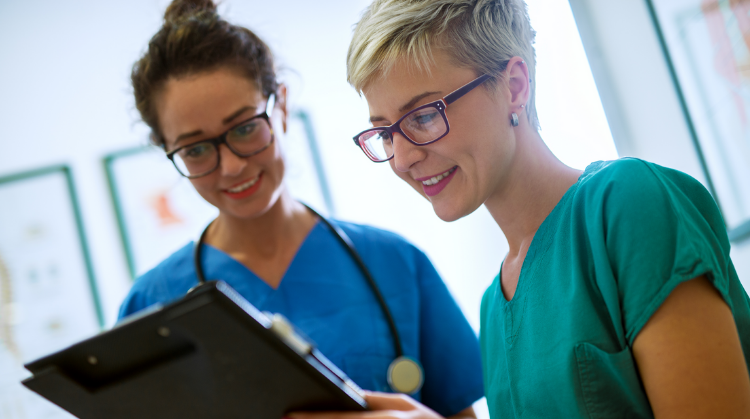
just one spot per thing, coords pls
(65, 98)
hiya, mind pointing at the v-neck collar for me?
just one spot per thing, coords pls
(221, 265)
(538, 248)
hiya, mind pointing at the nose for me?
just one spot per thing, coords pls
(405, 153)
(231, 164)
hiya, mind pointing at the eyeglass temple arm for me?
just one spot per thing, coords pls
(465, 89)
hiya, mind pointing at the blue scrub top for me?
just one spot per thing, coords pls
(325, 295)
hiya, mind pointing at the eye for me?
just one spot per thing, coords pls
(196, 151)
(245, 130)
(425, 118)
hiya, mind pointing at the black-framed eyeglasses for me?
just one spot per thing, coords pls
(245, 139)
(421, 126)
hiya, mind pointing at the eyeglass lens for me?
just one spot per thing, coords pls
(243, 140)
(422, 125)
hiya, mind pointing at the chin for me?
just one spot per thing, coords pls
(449, 213)
(248, 209)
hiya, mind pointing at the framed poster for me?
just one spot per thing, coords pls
(707, 46)
(158, 211)
(48, 295)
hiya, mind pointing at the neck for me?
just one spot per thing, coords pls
(534, 183)
(284, 224)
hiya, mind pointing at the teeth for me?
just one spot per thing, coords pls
(244, 186)
(435, 179)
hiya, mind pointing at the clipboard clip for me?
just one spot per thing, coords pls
(284, 330)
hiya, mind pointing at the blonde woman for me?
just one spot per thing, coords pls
(617, 297)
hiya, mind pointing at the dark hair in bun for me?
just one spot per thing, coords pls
(186, 8)
(194, 39)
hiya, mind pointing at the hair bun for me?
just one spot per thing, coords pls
(181, 9)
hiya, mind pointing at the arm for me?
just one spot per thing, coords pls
(389, 406)
(690, 359)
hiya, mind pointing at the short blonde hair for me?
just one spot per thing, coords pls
(479, 34)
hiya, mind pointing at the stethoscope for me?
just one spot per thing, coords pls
(405, 374)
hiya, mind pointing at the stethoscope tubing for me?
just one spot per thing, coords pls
(344, 239)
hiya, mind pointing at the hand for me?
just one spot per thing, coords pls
(383, 406)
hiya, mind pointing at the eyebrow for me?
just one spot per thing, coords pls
(224, 121)
(237, 113)
(406, 107)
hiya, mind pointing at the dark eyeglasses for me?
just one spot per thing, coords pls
(421, 126)
(245, 139)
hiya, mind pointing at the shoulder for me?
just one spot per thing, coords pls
(634, 186)
(370, 233)
(635, 206)
(168, 280)
(373, 237)
(172, 271)
(635, 176)
(383, 249)
(626, 175)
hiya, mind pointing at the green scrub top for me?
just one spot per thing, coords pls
(602, 262)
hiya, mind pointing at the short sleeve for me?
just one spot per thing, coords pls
(133, 303)
(449, 347)
(166, 282)
(660, 228)
(141, 295)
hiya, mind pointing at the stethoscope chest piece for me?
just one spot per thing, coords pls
(405, 375)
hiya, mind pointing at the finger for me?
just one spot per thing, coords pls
(388, 401)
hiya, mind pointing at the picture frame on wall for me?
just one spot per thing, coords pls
(159, 211)
(48, 293)
(707, 47)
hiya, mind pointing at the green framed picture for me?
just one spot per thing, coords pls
(48, 292)
(707, 47)
(159, 212)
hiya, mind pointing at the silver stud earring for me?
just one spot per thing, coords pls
(523, 106)
(514, 119)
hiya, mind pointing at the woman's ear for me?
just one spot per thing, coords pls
(281, 103)
(517, 76)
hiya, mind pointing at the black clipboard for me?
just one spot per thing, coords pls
(210, 354)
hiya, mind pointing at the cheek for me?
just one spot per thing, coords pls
(205, 187)
(202, 183)
(273, 163)
(276, 161)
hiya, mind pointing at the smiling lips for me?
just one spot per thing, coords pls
(244, 189)
(435, 184)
